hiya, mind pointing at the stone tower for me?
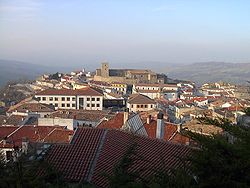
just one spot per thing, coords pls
(105, 70)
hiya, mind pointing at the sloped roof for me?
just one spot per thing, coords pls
(169, 129)
(33, 107)
(140, 99)
(85, 115)
(59, 135)
(115, 122)
(6, 130)
(12, 120)
(68, 92)
(32, 133)
(94, 151)
(74, 160)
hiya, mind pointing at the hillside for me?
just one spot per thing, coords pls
(200, 73)
(15, 70)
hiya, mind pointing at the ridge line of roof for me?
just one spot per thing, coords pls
(96, 157)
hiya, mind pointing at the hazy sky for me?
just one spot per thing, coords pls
(124, 32)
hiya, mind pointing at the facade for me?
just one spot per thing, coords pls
(120, 87)
(85, 99)
(155, 91)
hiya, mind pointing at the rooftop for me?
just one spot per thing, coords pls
(88, 91)
(94, 151)
(140, 99)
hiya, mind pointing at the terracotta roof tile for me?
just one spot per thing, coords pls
(140, 99)
(94, 151)
(59, 136)
(169, 129)
(115, 122)
(32, 107)
(86, 115)
(68, 92)
(32, 133)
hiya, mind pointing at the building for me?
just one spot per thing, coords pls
(74, 118)
(129, 76)
(85, 99)
(154, 91)
(22, 139)
(94, 151)
(140, 103)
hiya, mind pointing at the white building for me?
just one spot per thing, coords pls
(154, 91)
(86, 98)
(140, 103)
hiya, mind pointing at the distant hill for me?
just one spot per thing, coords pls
(237, 73)
(15, 70)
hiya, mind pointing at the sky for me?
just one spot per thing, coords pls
(136, 33)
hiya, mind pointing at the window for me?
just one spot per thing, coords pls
(81, 103)
(92, 105)
(141, 105)
(73, 105)
(51, 98)
(132, 106)
(97, 105)
(56, 105)
(68, 105)
(9, 155)
(73, 98)
(63, 98)
(93, 99)
(98, 99)
(138, 106)
(88, 105)
(63, 105)
(39, 98)
(146, 105)
(68, 98)
(88, 99)
(56, 98)
(151, 106)
(44, 98)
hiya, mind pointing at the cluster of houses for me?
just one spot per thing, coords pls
(68, 108)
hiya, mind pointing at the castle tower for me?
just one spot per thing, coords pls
(105, 70)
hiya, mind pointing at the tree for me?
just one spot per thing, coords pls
(222, 160)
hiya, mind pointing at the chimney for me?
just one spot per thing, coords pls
(148, 119)
(179, 127)
(4, 141)
(125, 116)
(25, 144)
(160, 126)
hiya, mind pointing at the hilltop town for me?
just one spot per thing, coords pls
(105, 109)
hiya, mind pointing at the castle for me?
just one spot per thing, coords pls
(129, 76)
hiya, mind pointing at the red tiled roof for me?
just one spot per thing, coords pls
(6, 130)
(140, 99)
(12, 120)
(74, 161)
(115, 122)
(148, 91)
(59, 136)
(156, 85)
(169, 129)
(68, 92)
(94, 151)
(32, 133)
(32, 107)
(86, 115)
